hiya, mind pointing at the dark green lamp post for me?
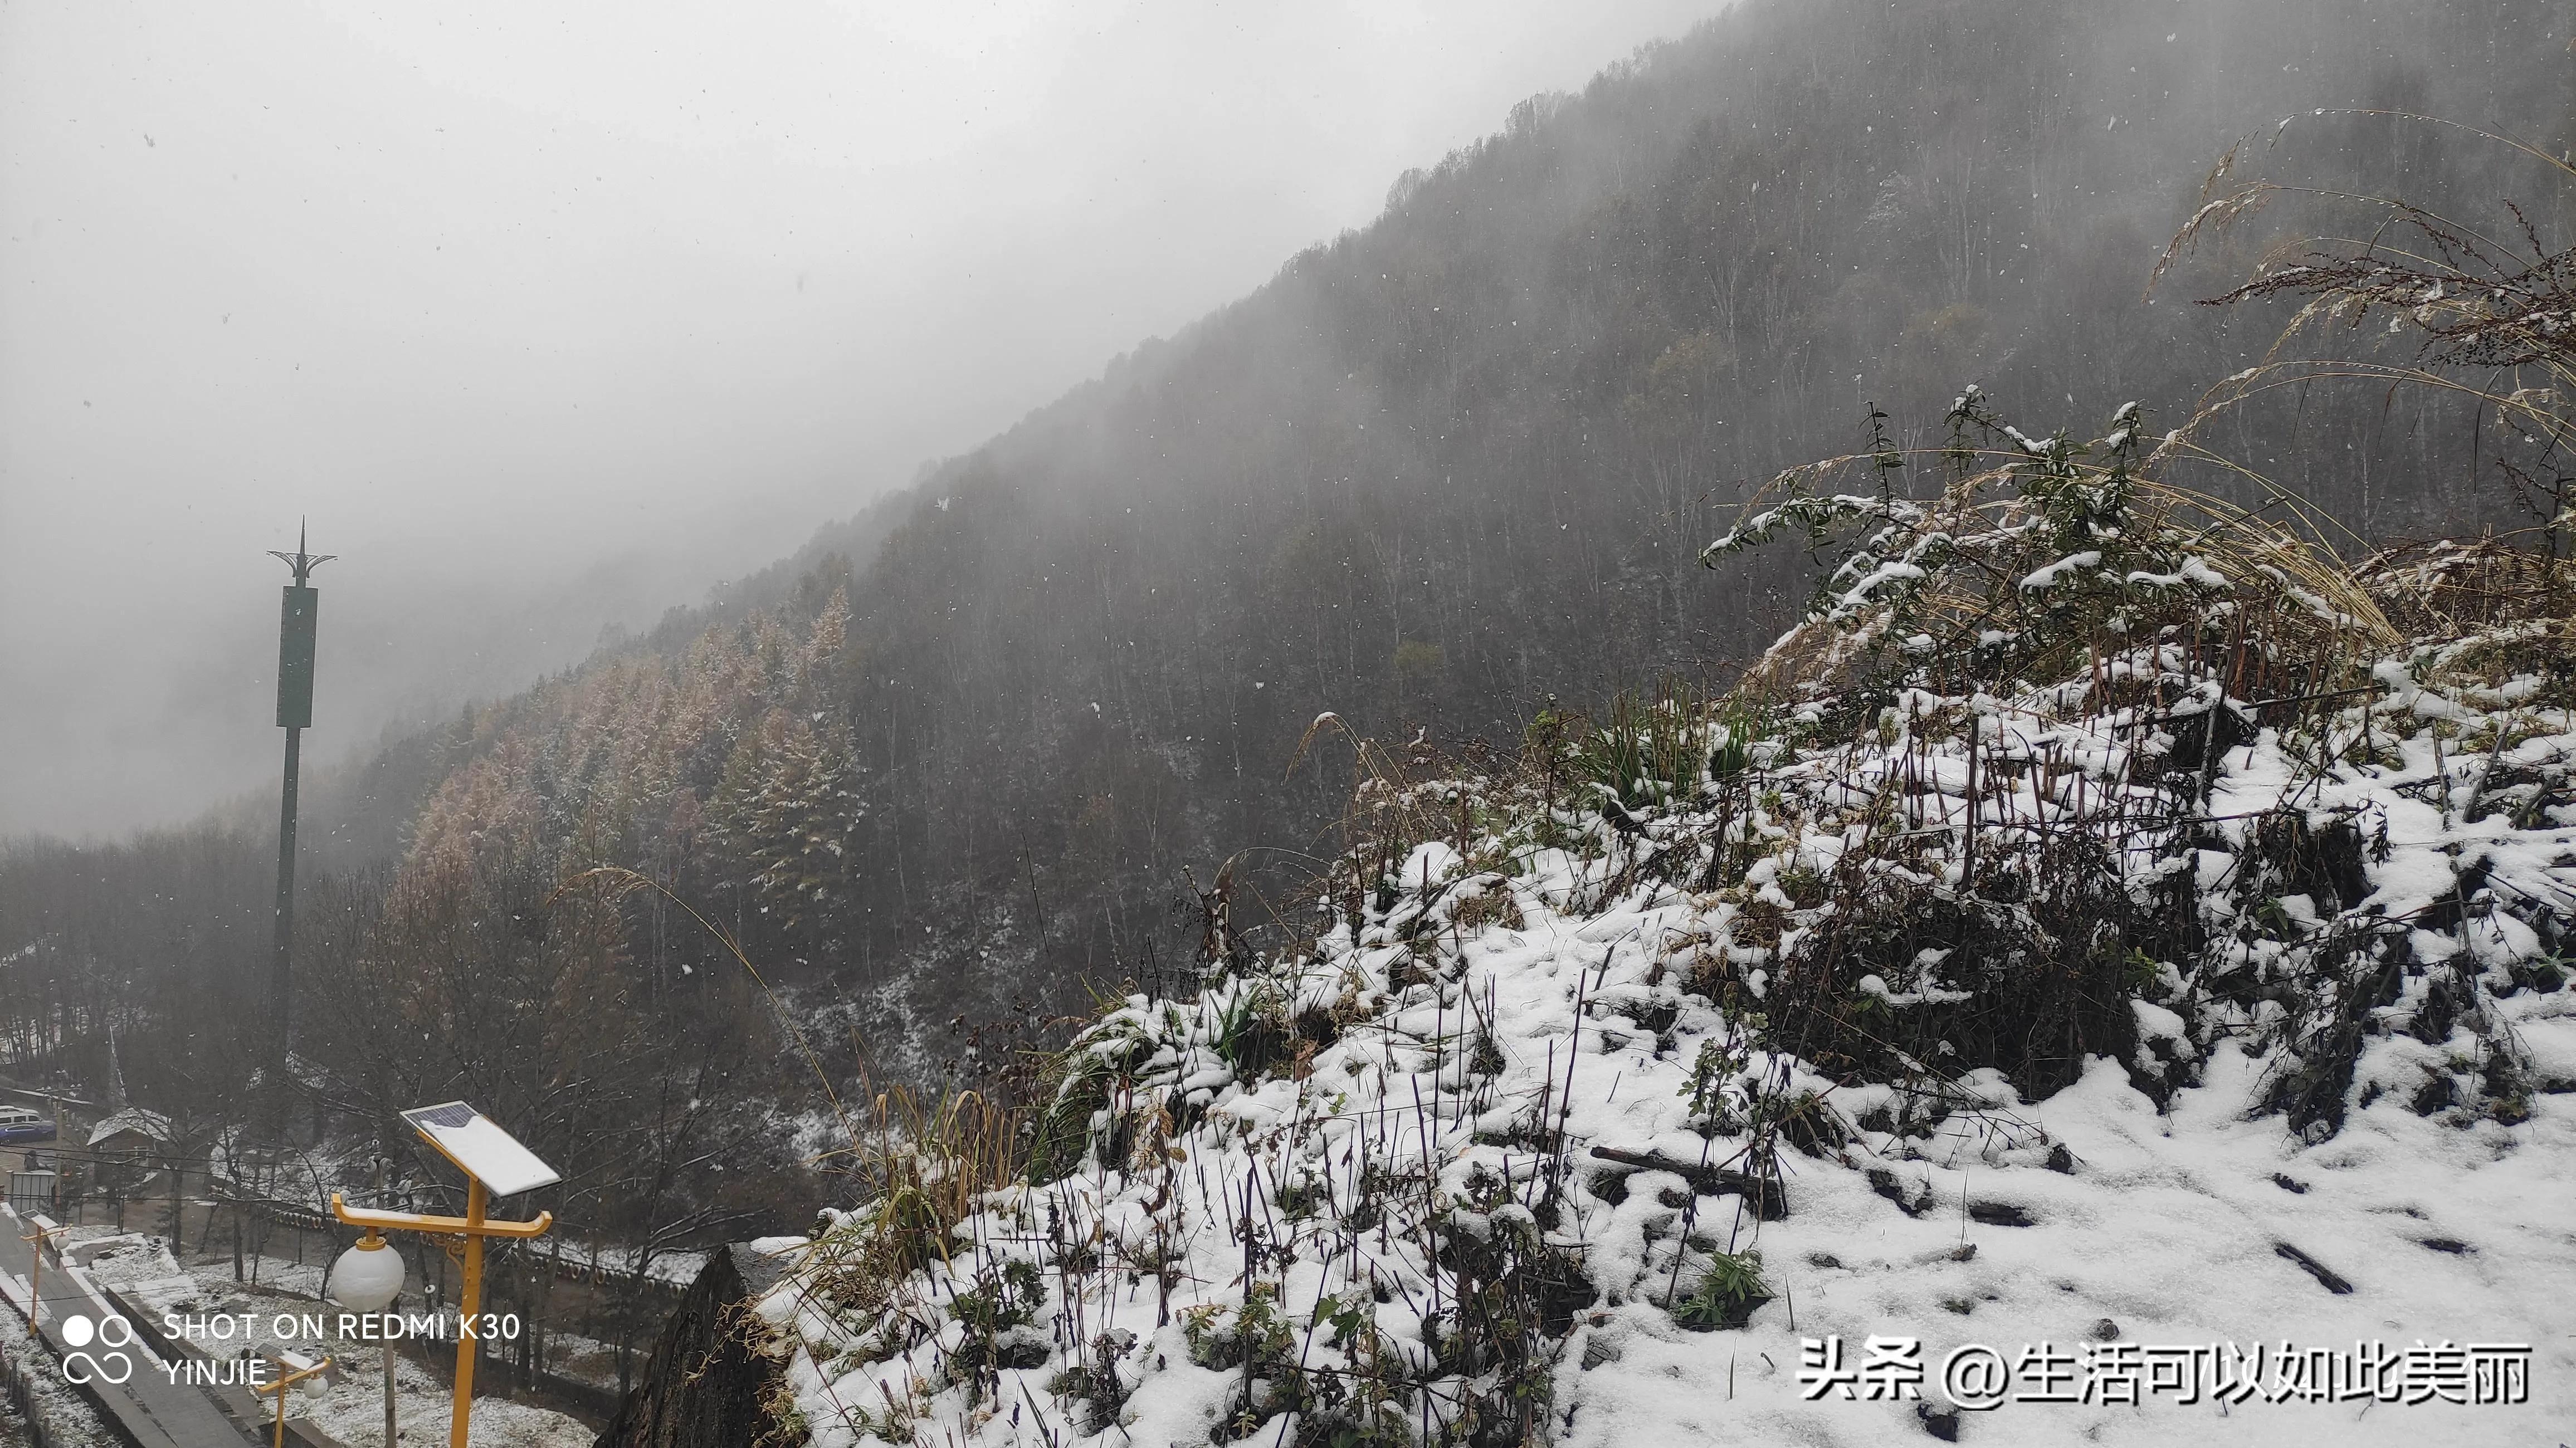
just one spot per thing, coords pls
(295, 634)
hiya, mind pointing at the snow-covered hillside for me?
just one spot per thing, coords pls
(2109, 933)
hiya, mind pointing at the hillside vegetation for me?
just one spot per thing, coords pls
(1446, 477)
(2106, 920)
(1461, 461)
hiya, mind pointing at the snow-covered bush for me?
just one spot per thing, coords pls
(2065, 768)
(2074, 785)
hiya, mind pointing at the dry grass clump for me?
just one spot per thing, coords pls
(2492, 316)
(2448, 588)
(2041, 560)
(2414, 299)
(920, 1166)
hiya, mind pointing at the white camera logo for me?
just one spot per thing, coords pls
(111, 1331)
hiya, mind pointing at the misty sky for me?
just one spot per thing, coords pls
(552, 315)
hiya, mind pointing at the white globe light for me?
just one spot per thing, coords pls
(367, 1277)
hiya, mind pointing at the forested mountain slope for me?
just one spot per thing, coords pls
(1440, 470)
(1445, 467)
(2109, 922)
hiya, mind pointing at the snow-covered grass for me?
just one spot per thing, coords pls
(2108, 925)
(52, 1407)
(2168, 1225)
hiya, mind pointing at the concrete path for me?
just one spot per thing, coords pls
(149, 1409)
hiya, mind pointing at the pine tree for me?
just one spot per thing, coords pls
(787, 812)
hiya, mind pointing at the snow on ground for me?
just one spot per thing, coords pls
(2165, 1232)
(588, 1359)
(1493, 1031)
(283, 1274)
(353, 1411)
(677, 1266)
(139, 1266)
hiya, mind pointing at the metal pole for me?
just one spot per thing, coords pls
(36, 1270)
(280, 1387)
(281, 973)
(466, 1346)
(295, 642)
(382, 1165)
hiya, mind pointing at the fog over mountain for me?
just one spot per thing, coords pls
(1433, 474)
(551, 317)
(1544, 637)
(1430, 475)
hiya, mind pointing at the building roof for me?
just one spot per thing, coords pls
(133, 1118)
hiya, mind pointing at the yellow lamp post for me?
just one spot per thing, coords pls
(280, 1388)
(494, 1163)
(36, 1241)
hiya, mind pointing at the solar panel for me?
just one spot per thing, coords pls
(475, 1143)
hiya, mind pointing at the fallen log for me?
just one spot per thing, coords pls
(1763, 1195)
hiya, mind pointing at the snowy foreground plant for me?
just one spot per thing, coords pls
(2106, 918)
